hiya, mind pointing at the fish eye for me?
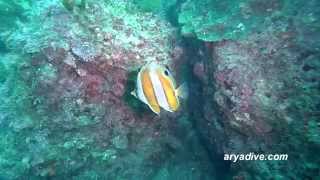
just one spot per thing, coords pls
(166, 72)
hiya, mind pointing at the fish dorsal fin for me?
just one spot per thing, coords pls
(183, 91)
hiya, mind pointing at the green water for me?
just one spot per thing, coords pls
(68, 67)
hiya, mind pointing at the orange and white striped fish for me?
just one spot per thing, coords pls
(156, 88)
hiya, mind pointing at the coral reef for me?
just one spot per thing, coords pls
(267, 97)
(213, 20)
(67, 68)
(67, 110)
(207, 20)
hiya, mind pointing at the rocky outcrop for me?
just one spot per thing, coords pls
(255, 68)
(253, 91)
(67, 110)
(67, 69)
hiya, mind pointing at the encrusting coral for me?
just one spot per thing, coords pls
(67, 107)
(67, 68)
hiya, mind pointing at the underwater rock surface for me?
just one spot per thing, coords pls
(267, 97)
(71, 114)
(67, 68)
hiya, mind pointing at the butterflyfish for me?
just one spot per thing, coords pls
(156, 87)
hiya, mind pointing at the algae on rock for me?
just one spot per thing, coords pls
(214, 20)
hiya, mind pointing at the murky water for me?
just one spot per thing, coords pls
(69, 69)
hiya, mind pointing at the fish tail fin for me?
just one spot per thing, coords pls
(183, 91)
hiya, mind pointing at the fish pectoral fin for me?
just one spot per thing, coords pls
(183, 91)
(133, 93)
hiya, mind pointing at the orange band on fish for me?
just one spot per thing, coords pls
(156, 88)
(169, 90)
(148, 91)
